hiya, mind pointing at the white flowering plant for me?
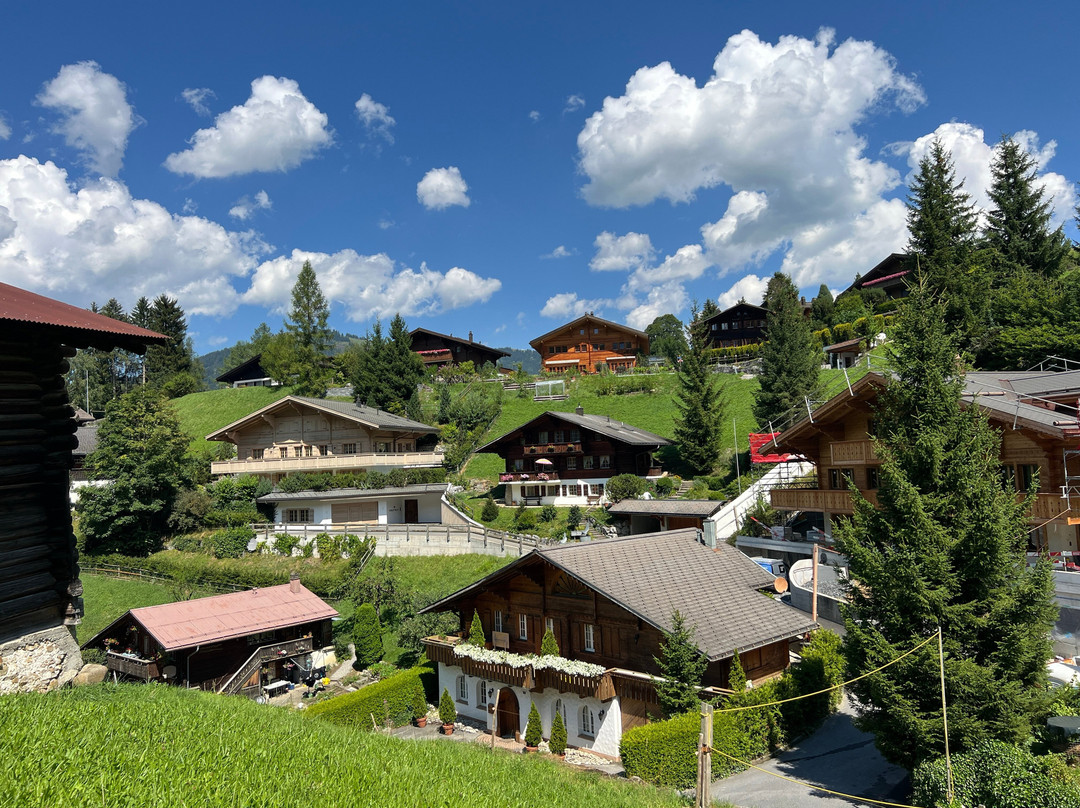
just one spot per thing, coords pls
(555, 663)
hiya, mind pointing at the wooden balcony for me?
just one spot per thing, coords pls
(553, 449)
(1046, 507)
(132, 665)
(588, 687)
(530, 477)
(319, 463)
(852, 452)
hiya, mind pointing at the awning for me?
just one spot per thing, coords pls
(562, 361)
(758, 440)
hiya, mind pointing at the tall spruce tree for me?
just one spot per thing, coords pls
(790, 358)
(944, 548)
(1018, 226)
(822, 306)
(404, 367)
(681, 665)
(162, 362)
(299, 355)
(941, 217)
(367, 365)
(700, 404)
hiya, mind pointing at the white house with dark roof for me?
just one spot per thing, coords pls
(608, 604)
(316, 435)
(420, 504)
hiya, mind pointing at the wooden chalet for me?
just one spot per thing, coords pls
(581, 346)
(566, 458)
(890, 276)
(252, 642)
(651, 515)
(741, 324)
(40, 591)
(316, 435)
(248, 374)
(608, 604)
(445, 349)
(1035, 412)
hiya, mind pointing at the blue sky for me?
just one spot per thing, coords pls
(479, 166)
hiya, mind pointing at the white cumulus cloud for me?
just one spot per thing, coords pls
(196, 99)
(574, 103)
(615, 253)
(534, 115)
(750, 288)
(567, 306)
(375, 117)
(443, 188)
(245, 207)
(559, 252)
(370, 285)
(94, 242)
(95, 116)
(5, 129)
(276, 129)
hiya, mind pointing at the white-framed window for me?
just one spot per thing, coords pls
(298, 515)
(523, 627)
(308, 451)
(559, 708)
(589, 638)
(462, 690)
(587, 727)
(298, 451)
(283, 452)
(573, 490)
(481, 694)
(348, 448)
(257, 454)
(549, 624)
(571, 463)
(498, 620)
(605, 461)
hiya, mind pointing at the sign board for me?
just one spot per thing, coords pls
(500, 639)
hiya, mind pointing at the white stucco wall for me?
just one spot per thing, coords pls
(391, 509)
(608, 715)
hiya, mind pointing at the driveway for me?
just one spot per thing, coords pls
(837, 756)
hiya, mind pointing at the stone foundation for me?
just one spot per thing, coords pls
(39, 662)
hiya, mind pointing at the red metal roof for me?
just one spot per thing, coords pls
(759, 441)
(79, 327)
(886, 278)
(188, 623)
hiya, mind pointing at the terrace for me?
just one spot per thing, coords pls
(316, 463)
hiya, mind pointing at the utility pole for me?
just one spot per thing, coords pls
(704, 780)
(813, 556)
(738, 474)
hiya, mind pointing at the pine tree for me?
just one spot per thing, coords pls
(491, 511)
(405, 368)
(941, 217)
(790, 358)
(557, 742)
(1018, 226)
(821, 307)
(944, 548)
(447, 710)
(244, 350)
(708, 309)
(534, 731)
(736, 674)
(476, 631)
(300, 354)
(681, 666)
(368, 363)
(367, 635)
(162, 362)
(699, 402)
(549, 646)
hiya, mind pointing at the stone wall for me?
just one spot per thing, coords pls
(39, 662)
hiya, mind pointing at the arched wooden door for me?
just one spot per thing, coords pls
(507, 717)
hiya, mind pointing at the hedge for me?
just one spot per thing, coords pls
(998, 775)
(664, 753)
(388, 700)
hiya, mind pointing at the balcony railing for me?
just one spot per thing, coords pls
(529, 477)
(553, 448)
(850, 452)
(275, 465)
(132, 665)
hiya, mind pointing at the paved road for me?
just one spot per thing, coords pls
(837, 757)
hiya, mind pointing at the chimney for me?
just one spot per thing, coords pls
(579, 410)
(470, 337)
(294, 583)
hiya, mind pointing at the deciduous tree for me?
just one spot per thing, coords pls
(667, 337)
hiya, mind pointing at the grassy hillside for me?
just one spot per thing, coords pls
(105, 599)
(155, 746)
(202, 413)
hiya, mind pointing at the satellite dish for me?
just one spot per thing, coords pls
(169, 671)
(780, 585)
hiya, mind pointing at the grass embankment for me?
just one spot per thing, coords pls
(161, 747)
(105, 599)
(202, 413)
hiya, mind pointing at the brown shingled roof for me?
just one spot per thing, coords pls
(73, 326)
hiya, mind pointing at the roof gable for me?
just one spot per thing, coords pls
(603, 424)
(588, 318)
(458, 340)
(739, 309)
(240, 372)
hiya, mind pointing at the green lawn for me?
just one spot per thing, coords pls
(105, 599)
(155, 746)
(202, 413)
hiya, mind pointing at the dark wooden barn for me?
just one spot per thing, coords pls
(40, 591)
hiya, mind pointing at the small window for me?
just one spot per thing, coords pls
(723, 326)
(309, 451)
(257, 454)
(714, 326)
(298, 451)
(462, 690)
(588, 723)
(559, 436)
(551, 350)
(481, 694)
(838, 478)
(383, 446)
(523, 627)
(872, 477)
(581, 330)
(1028, 476)
(588, 462)
(283, 452)
(571, 463)
(542, 436)
(549, 624)
(574, 490)
(324, 450)
(605, 461)
(498, 620)
(519, 464)
(298, 515)
(559, 708)
(589, 639)
(596, 330)
(575, 435)
(348, 448)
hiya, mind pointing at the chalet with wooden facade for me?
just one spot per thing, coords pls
(1035, 412)
(248, 374)
(741, 324)
(251, 642)
(40, 590)
(317, 435)
(566, 458)
(445, 349)
(588, 342)
(890, 276)
(608, 604)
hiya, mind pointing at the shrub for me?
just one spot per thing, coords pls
(625, 486)
(997, 775)
(189, 511)
(388, 701)
(447, 710)
(525, 520)
(476, 631)
(232, 518)
(557, 742)
(367, 635)
(187, 544)
(231, 542)
(573, 517)
(534, 732)
(548, 513)
(328, 546)
(419, 705)
(822, 666)
(490, 512)
(382, 670)
(664, 487)
(549, 646)
(285, 543)
(93, 656)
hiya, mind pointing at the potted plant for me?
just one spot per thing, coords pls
(420, 708)
(447, 712)
(557, 742)
(533, 730)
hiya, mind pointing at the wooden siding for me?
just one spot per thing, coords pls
(581, 348)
